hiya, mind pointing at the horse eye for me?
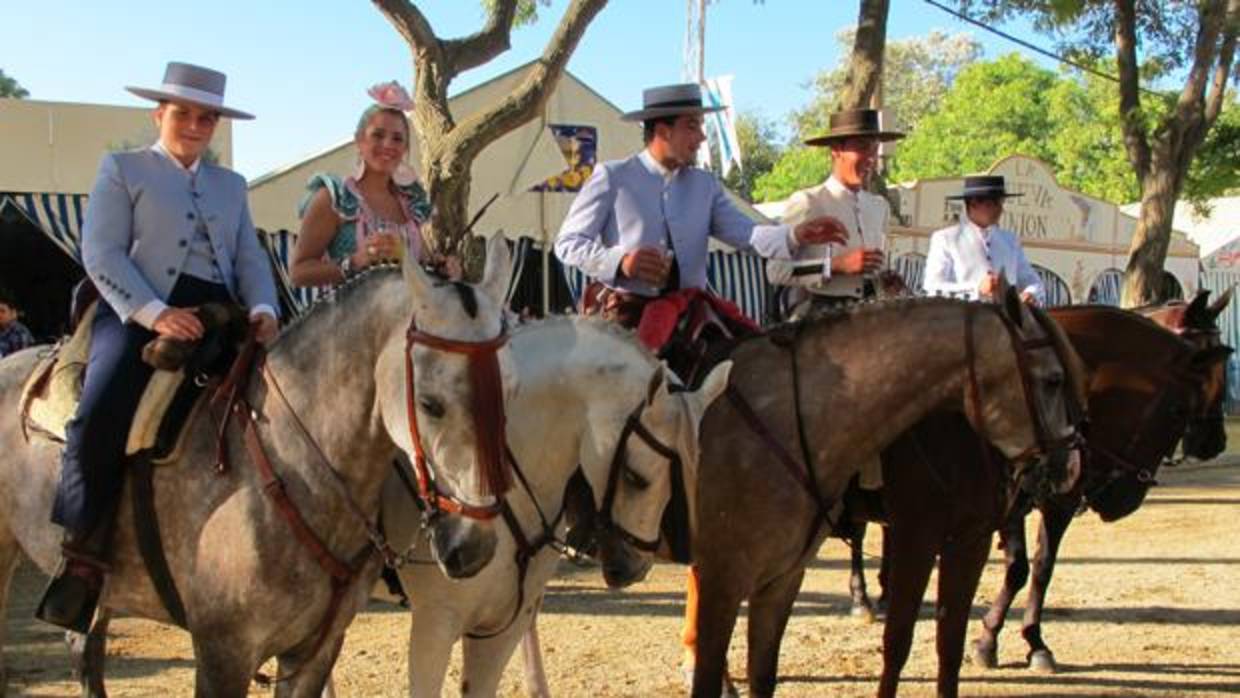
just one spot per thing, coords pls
(1055, 381)
(432, 407)
(632, 478)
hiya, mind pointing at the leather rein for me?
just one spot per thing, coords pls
(803, 472)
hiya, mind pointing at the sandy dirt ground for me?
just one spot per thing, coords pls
(1149, 606)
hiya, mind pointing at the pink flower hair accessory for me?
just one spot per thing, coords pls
(391, 95)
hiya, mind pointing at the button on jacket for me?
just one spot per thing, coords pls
(633, 203)
(141, 218)
(960, 255)
(866, 217)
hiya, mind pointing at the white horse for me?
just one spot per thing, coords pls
(585, 391)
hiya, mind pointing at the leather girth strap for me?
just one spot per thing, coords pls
(150, 540)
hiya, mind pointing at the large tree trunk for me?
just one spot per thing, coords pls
(1162, 165)
(1143, 279)
(863, 86)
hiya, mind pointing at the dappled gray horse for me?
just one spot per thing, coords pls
(250, 590)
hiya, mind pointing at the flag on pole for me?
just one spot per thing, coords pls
(721, 125)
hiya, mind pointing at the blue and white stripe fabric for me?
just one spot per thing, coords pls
(59, 216)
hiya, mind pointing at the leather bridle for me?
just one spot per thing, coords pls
(1044, 442)
(483, 357)
(633, 425)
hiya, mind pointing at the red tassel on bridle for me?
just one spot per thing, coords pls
(487, 395)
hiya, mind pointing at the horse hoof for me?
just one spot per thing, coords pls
(863, 613)
(728, 690)
(985, 657)
(1042, 662)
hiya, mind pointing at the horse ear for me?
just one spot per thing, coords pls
(1216, 308)
(419, 281)
(498, 270)
(1011, 302)
(712, 387)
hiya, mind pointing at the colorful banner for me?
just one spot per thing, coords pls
(580, 147)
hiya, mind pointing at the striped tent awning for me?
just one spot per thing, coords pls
(59, 216)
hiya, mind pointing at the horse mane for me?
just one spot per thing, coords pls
(595, 322)
(336, 295)
(823, 316)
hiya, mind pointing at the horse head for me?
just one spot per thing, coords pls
(1032, 411)
(1148, 381)
(1204, 436)
(450, 416)
(654, 458)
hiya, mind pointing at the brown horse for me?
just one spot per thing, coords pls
(825, 394)
(1135, 363)
(1178, 396)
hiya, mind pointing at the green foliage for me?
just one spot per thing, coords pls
(760, 150)
(1010, 105)
(917, 73)
(1086, 28)
(527, 10)
(800, 167)
(994, 109)
(10, 88)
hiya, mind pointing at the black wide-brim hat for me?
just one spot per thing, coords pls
(194, 84)
(671, 100)
(854, 123)
(985, 187)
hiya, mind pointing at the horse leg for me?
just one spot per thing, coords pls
(719, 602)
(311, 676)
(912, 559)
(960, 570)
(223, 668)
(10, 556)
(89, 654)
(861, 606)
(884, 570)
(535, 673)
(986, 647)
(431, 636)
(484, 659)
(769, 609)
(1055, 522)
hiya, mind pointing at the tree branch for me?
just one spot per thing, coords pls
(479, 130)
(1222, 69)
(476, 49)
(1136, 140)
(411, 24)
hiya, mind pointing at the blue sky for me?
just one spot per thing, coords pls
(303, 67)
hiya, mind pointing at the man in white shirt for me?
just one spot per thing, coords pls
(967, 259)
(832, 273)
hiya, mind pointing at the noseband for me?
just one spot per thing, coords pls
(488, 413)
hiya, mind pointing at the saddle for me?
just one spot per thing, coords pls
(172, 398)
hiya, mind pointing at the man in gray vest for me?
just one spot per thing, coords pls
(838, 274)
(165, 231)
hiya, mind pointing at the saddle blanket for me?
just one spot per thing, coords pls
(51, 393)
